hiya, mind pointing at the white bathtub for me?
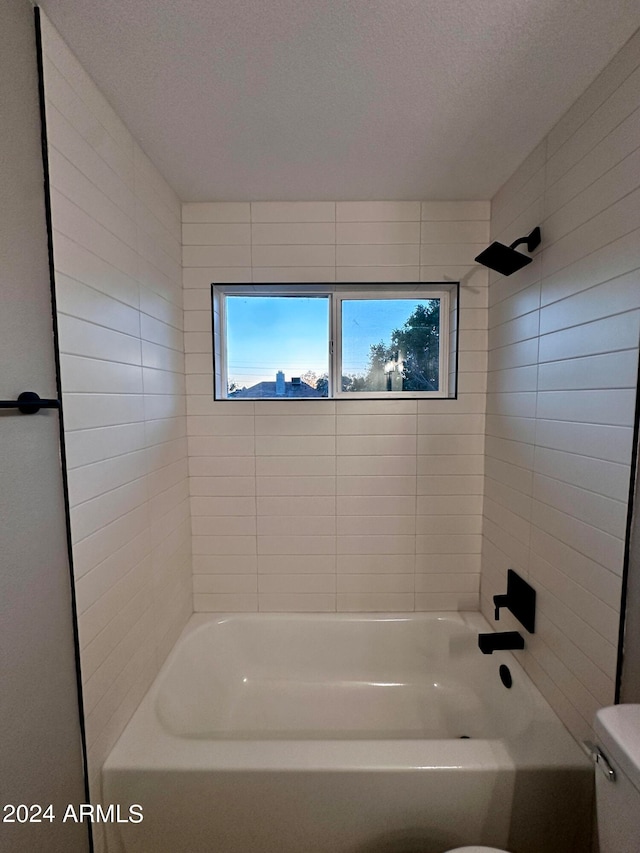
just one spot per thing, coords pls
(335, 733)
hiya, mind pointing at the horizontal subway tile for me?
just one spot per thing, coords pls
(460, 504)
(375, 601)
(392, 254)
(295, 425)
(292, 211)
(377, 273)
(450, 424)
(368, 564)
(378, 544)
(376, 407)
(223, 212)
(309, 255)
(375, 485)
(290, 564)
(294, 466)
(222, 466)
(378, 211)
(223, 525)
(443, 211)
(439, 601)
(197, 281)
(219, 583)
(377, 466)
(457, 582)
(453, 485)
(295, 445)
(376, 445)
(453, 544)
(448, 445)
(225, 564)
(297, 602)
(296, 544)
(403, 505)
(222, 486)
(296, 506)
(222, 545)
(600, 441)
(609, 370)
(446, 464)
(448, 524)
(379, 424)
(293, 273)
(472, 231)
(82, 338)
(607, 478)
(225, 602)
(223, 506)
(377, 232)
(214, 425)
(216, 256)
(222, 445)
(293, 233)
(368, 525)
(218, 234)
(376, 583)
(296, 583)
(448, 563)
(295, 485)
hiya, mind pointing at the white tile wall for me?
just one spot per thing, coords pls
(117, 252)
(371, 505)
(563, 357)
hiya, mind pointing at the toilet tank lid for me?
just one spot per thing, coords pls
(618, 730)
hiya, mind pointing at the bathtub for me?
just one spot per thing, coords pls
(345, 732)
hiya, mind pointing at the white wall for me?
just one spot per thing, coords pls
(563, 338)
(40, 740)
(303, 505)
(119, 297)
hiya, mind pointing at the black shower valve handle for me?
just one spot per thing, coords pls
(519, 599)
(500, 601)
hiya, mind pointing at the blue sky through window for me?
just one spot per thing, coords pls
(270, 333)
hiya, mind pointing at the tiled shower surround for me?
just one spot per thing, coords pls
(563, 358)
(116, 243)
(332, 504)
(346, 505)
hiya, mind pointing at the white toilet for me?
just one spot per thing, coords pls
(617, 757)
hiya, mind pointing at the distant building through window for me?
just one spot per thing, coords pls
(280, 388)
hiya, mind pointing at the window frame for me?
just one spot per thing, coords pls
(446, 291)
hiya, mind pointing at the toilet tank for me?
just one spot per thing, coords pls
(618, 800)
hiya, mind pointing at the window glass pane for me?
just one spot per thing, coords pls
(390, 345)
(277, 346)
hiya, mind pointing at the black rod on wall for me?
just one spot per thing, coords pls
(29, 403)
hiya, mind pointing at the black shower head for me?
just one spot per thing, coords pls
(505, 259)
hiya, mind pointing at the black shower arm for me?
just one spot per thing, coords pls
(532, 240)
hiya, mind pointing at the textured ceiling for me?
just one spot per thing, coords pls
(341, 99)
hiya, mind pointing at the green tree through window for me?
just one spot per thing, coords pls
(409, 361)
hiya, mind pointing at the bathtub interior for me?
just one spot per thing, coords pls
(325, 771)
(392, 676)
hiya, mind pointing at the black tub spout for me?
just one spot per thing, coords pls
(500, 641)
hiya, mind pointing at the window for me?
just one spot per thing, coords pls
(337, 341)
